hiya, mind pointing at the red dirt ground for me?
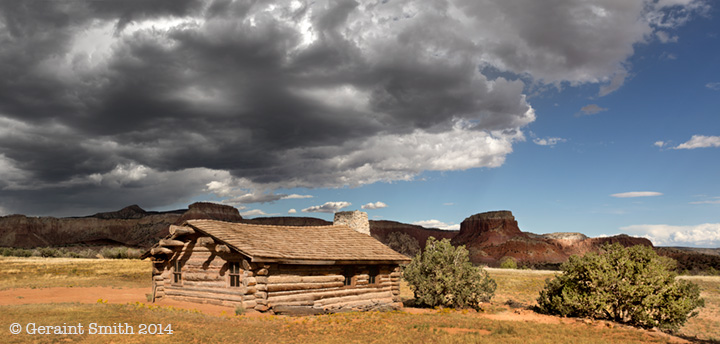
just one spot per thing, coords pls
(92, 295)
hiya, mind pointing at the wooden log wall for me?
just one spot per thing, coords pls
(322, 288)
(205, 279)
(205, 275)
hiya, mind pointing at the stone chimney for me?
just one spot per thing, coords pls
(357, 220)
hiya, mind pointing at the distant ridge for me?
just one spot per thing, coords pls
(130, 226)
(489, 236)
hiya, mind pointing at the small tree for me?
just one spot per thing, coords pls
(442, 275)
(508, 262)
(628, 285)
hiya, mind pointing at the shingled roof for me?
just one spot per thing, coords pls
(299, 245)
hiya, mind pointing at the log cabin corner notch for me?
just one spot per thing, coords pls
(283, 269)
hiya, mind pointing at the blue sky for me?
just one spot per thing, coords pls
(598, 117)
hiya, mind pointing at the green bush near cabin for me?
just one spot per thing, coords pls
(442, 275)
(630, 285)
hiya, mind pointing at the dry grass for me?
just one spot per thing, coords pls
(707, 324)
(374, 327)
(436, 326)
(73, 272)
(519, 286)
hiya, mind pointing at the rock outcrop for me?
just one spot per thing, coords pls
(210, 211)
(490, 228)
(493, 235)
(488, 236)
(381, 229)
(288, 221)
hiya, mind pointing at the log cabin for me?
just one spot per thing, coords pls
(278, 269)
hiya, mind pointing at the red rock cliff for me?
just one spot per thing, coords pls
(490, 228)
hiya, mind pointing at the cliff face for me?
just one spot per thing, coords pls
(210, 211)
(288, 221)
(28, 232)
(381, 229)
(491, 228)
(493, 235)
(130, 226)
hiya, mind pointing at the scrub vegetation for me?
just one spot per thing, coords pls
(507, 318)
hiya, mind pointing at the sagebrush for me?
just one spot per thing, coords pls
(442, 275)
(630, 285)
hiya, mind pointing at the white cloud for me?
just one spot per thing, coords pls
(255, 198)
(700, 141)
(705, 235)
(12, 177)
(292, 211)
(237, 189)
(328, 207)
(388, 157)
(432, 223)
(296, 196)
(665, 37)
(228, 186)
(672, 14)
(591, 109)
(615, 83)
(637, 194)
(715, 86)
(550, 141)
(668, 56)
(376, 205)
(659, 144)
(713, 200)
(253, 212)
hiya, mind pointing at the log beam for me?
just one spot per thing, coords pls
(205, 241)
(171, 243)
(160, 250)
(222, 249)
(180, 230)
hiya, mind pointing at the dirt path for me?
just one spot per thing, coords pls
(92, 295)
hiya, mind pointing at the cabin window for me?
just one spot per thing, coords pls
(177, 272)
(349, 273)
(234, 274)
(373, 272)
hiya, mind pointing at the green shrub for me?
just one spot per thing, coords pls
(630, 285)
(508, 262)
(120, 252)
(240, 310)
(442, 275)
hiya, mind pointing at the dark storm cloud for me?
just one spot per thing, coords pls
(233, 97)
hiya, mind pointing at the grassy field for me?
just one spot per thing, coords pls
(499, 322)
(36, 272)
